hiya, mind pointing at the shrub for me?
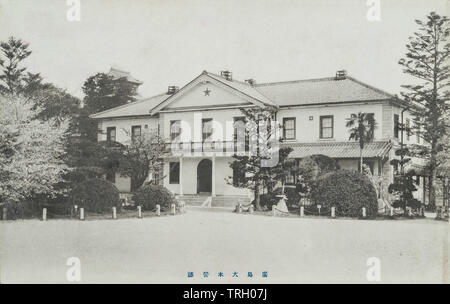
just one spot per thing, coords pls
(95, 195)
(348, 191)
(148, 196)
(312, 167)
(267, 200)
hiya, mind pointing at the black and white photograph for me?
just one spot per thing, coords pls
(224, 142)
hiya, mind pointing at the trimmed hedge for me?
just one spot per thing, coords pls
(148, 196)
(348, 191)
(95, 195)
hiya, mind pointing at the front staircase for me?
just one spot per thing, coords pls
(221, 201)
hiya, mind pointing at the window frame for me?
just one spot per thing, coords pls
(204, 121)
(321, 119)
(285, 119)
(396, 119)
(172, 137)
(108, 133)
(133, 133)
(174, 179)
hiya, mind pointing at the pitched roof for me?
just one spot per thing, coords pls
(244, 88)
(339, 149)
(288, 93)
(116, 74)
(320, 91)
(136, 108)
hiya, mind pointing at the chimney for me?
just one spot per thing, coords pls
(340, 75)
(250, 81)
(227, 75)
(172, 90)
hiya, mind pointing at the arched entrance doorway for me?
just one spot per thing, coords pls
(204, 176)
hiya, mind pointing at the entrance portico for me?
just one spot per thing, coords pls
(205, 175)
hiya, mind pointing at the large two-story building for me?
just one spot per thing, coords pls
(200, 118)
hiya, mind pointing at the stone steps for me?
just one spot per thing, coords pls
(228, 201)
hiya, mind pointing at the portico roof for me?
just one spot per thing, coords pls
(377, 149)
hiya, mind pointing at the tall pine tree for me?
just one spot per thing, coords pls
(427, 60)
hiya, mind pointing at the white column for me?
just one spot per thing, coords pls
(213, 177)
(181, 175)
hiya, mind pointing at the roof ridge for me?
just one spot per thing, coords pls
(127, 104)
(294, 81)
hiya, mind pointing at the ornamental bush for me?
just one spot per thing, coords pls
(348, 191)
(312, 167)
(95, 195)
(148, 196)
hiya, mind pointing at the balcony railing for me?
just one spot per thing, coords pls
(229, 147)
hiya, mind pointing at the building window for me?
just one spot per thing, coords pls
(135, 132)
(289, 128)
(174, 174)
(396, 125)
(175, 129)
(326, 126)
(111, 134)
(408, 130)
(207, 129)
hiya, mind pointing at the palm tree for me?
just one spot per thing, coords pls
(362, 128)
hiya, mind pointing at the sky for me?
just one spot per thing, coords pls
(170, 42)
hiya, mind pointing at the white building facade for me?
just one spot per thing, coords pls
(200, 118)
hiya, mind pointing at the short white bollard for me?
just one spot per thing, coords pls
(391, 211)
(302, 211)
(44, 214)
(364, 212)
(239, 208)
(5, 214)
(251, 209)
(158, 210)
(333, 212)
(274, 211)
(82, 214)
(114, 213)
(139, 209)
(173, 209)
(318, 207)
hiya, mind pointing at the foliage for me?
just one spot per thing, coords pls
(31, 151)
(148, 196)
(263, 167)
(362, 127)
(403, 185)
(12, 79)
(313, 166)
(95, 195)
(140, 157)
(348, 191)
(103, 92)
(427, 60)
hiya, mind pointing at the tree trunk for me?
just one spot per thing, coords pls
(433, 178)
(361, 161)
(257, 197)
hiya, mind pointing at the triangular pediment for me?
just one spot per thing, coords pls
(206, 95)
(206, 91)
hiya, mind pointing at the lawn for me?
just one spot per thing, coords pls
(164, 249)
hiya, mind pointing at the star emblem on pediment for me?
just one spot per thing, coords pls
(207, 92)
